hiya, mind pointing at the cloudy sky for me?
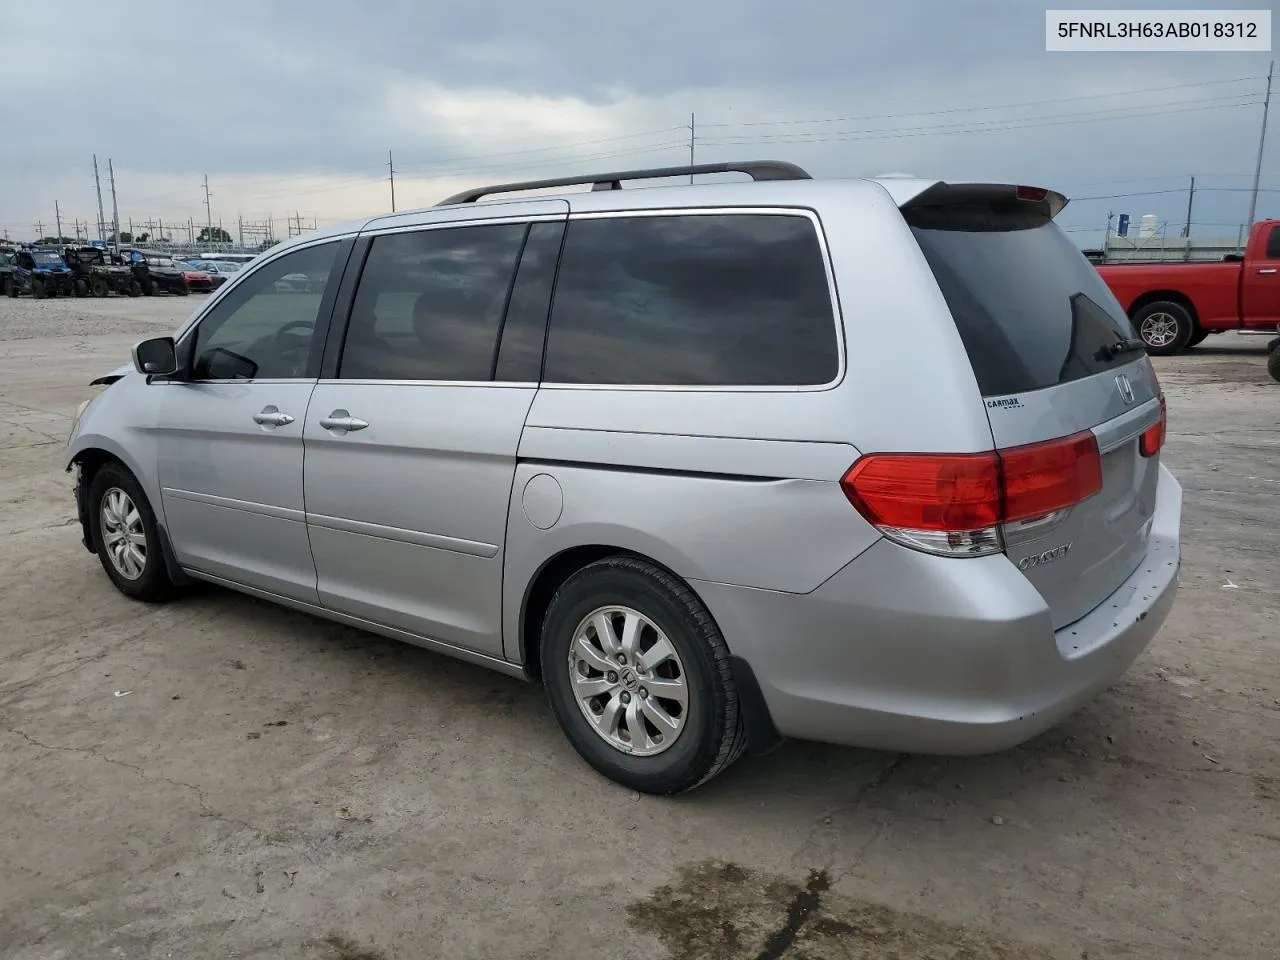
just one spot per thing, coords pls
(291, 107)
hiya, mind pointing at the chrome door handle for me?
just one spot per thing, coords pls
(342, 421)
(272, 417)
(1267, 270)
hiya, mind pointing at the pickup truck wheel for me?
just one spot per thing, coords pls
(1197, 337)
(1165, 327)
(1273, 363)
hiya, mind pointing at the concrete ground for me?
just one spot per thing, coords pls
(218, 778)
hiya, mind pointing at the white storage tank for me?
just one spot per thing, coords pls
(1147, 226)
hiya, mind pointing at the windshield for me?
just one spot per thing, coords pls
(1031, 310)
(46, 257)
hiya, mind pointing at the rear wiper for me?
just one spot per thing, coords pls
(1110, 351)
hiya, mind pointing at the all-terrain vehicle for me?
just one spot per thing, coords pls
(92, 273)
(157, 274)
(39, 271)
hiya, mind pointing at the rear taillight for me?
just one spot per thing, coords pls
(955, 504)
(1153, 437)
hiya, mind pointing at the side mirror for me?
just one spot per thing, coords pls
(156, 357)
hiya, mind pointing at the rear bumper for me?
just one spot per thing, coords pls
(909, 652)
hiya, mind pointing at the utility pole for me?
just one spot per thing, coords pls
(208, 210)
(240, 221)
(57, 216)
(115, 209)
(39, 230)
(391, 169)
(1106, 236)
(1262, 141)
(97, 182)
(692, 135)
(1186, 230)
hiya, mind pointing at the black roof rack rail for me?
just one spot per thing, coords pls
(756, 169)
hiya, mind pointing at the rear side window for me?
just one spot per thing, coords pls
(430, 303)
(692, 300)
(1273, 244)
(1031, 310)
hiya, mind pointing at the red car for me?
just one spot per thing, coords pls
(1176, 305)
(198, 280)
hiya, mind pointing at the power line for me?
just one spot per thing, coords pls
(1003, 106)
(979, 126)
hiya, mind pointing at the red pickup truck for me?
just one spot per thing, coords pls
(1176, 305)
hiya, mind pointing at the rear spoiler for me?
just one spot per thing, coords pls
(1002, 196)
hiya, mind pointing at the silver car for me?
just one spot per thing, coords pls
(873, 462)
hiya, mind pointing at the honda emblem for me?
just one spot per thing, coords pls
(1125, 388)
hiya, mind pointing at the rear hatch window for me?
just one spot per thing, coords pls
(1055, 359)
(1031, 310)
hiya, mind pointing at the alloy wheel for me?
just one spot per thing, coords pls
(628, 680)
(123, 536)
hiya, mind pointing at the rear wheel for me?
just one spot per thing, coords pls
(82, 288)
(148, 287)
(135, 288)
(126, 536)
(98, 287)
(1165, 327)
(1273, 364)
(637, 674)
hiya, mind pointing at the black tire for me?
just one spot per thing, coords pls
(1153, 325)
(148, 287)
(98, 287)
(1273, 364)
(712, 735)
(1272, 344)
(135, 288)
(1198, 336)
(152, 584)
(81, 288)
(37, 289)
(10, 288)
(183, 291)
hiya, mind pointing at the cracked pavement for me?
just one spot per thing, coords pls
(273, 786)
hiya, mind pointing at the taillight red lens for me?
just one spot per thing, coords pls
(1042, 477)
(962, 492)
(926, 491)
(1153, 437)
(1035, 194)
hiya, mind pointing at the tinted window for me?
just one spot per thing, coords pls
(263, 329)
(429, 304)
(525, 327)
(1273, 244)
(725, 299)
(1031, 310)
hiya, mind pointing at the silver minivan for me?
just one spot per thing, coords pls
(873, 462)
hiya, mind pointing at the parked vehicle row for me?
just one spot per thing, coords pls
(91, 271)
(875, 462)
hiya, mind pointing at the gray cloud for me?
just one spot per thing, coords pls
(294, 105)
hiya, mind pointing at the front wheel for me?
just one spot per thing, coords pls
(126, 536)
(638, 677)
(183, 290)
(37, 289)
(98, 287)
(1198, 337)
(1165, 327)
(135, 288)
(10, 288)
(1273, 364)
